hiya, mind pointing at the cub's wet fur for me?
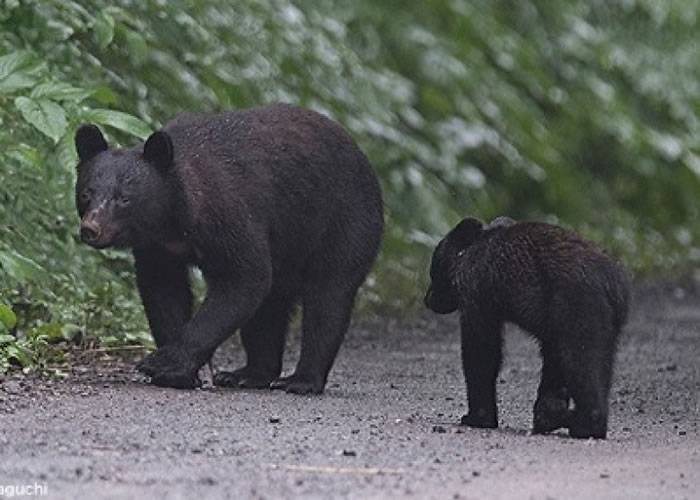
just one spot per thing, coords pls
(558, 287)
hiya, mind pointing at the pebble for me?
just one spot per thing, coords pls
(12, 387)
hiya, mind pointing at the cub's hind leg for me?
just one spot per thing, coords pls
(551, 410)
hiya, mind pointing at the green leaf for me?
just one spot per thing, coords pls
(7, 317)
(19, 267)
(22, 355)
(10, 5)
(105, 95)
(15, 62)
(109, 340)
(66, 156)
(7, 339)
(119, 120)
(104, 30)
(47, 331)
(15, 82)
(60, 91)
(70, 331)
(137, 47)
(47, 116)
(25, 154)
(17, 70)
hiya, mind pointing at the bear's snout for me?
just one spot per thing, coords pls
(90, 231)
(98, 227)
(96, 232)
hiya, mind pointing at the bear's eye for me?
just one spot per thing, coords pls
(85, 197)
(123, 201)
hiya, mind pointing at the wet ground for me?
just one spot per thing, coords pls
(385, 428)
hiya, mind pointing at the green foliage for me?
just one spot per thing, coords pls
(579, 112)
(8, 318)
(50, 287)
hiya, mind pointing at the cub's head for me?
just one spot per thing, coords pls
(123, 195)
(441, 296)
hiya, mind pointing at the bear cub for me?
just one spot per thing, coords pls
(275, 205)
(553, 284)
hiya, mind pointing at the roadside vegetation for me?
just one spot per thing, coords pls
(583, 113)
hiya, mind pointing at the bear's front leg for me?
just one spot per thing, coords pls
(164, 286)
(232, 298)
(481, 361)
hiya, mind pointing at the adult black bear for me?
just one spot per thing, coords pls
(274, 205)
(553, 284)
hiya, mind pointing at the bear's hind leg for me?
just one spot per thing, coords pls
(327, 308)
(263, 339)
(482, 340)
(551, 410)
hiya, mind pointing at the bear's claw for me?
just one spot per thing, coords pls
(295, 384)
(167, 368)
(243, 378)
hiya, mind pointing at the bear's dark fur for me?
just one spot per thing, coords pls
(558, 287)
(275, 205)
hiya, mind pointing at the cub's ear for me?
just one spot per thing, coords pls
(89, 141)
(158, 150)
(466, 232)
(502, 221)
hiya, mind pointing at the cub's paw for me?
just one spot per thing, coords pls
(585, 425)
(169, 366)
(481, 419)
(244, 378)
(295, 384)
(550, 413)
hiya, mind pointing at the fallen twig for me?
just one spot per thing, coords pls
(327, 469)
(118, 348)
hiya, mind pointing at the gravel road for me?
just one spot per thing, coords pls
(385, 428)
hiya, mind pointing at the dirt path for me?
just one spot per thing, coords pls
(384, 429)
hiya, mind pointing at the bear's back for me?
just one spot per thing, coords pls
(278, 147)
(529, 264)
(289, 171)
(269, 136)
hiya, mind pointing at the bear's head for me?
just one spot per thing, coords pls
(441, 296)
(123, 195)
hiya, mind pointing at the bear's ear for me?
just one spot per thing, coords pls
(158, 150)
(466, 232)
(89, 141)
